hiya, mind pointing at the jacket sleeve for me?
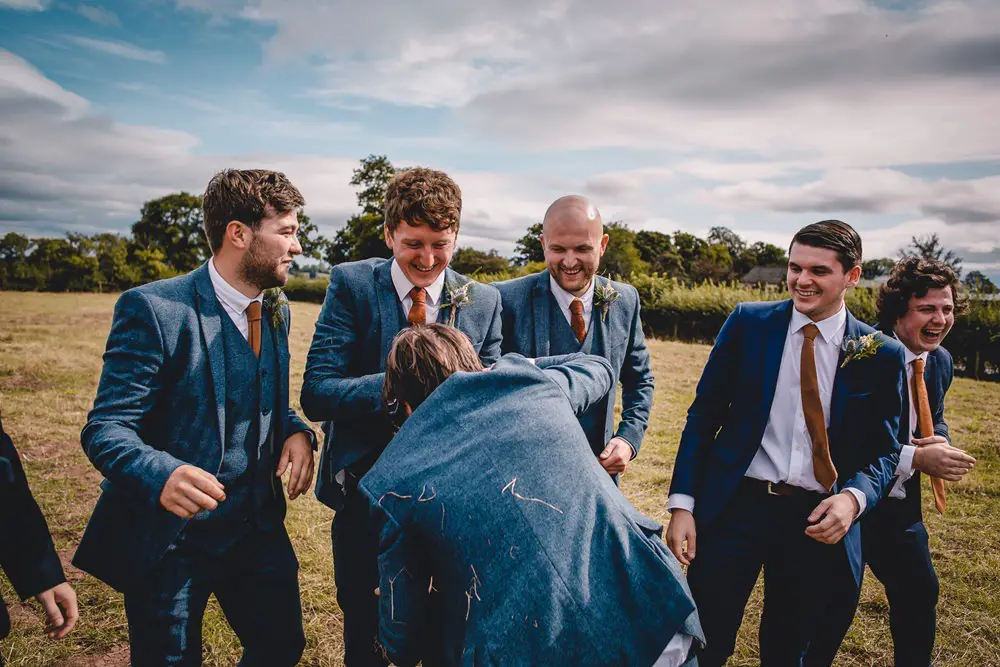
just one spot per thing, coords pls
(708, 411)
(876, 475)
(948, 373)
(130, 382)
(294, 423)
(27, 554)
(584, 379)
(404, 592)
(331, 391)
(490, 351)
(637, 385)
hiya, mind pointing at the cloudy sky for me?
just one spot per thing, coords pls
(761, 115)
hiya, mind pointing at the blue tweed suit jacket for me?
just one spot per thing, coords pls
(489, 495)
(160, 404)
(345, 368)
(526, 307)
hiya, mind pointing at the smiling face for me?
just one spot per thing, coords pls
(421, 252)
(272, 248)
(817, 281)
(574, 241)
(927, 321)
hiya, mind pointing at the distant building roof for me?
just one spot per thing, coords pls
(769, 275)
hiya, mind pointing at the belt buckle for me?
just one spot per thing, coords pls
(770, 489)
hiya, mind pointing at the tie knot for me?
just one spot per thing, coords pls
(253, 311)
(810, 331)
(918, 366)
(576, 307)
(419, 295)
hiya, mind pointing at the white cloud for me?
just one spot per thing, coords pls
(24, 5)
(99, 15)
(120, 49)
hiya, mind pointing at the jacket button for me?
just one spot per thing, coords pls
(266, 411)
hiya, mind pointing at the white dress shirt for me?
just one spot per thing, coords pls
(564, 299)
(234, 302)
(676, 651)
(785, 452)
(403, 287)
(904, 470)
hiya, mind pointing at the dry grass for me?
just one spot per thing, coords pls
(50, 351)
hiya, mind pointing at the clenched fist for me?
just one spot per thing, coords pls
(191, 490)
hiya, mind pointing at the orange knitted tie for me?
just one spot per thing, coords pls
(418, 311)
(253, 326)
(925, 424)
(576, 320)
(812, 409)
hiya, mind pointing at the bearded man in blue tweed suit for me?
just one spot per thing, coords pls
(366, 305)
(192, 431)
(503, 541)
(567, 308)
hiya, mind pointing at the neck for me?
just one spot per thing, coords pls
(828, 313)
(228, 267)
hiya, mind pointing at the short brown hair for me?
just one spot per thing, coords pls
(245, 195)
(914, 277)
(423, 196)
(422, 358)
(833, 235)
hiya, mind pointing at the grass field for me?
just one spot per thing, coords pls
(50, 361)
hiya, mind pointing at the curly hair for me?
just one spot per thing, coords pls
(422, 358)
(914, 277)
(423, 196)
(245, 195)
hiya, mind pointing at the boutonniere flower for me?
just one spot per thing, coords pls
(861, 348)
(456, 298)
(274, 299)
(604, 296)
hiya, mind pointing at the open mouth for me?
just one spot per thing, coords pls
(806, 293)
(933, 335)
(422, 270)
(571, 272)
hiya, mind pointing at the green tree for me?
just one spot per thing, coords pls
(360, 238)
(714, 263)
(929, 247)
(979, 282)
(728, 238)
(14, 249)
(471, 261)
(114, 270)
(690, 249)
(313, 244)
(656, 249)
(874, 268)
(621, 257)
(759, 254)
(529, 247)
(173, 224)
(373, 177)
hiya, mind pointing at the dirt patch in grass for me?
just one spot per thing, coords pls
(115, 657)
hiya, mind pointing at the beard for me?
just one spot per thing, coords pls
(258, 269)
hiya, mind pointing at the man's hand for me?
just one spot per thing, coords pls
(680, 532)
(297, 456)
(839, 510)
(61, 613)
(935, 457)
(615, 456)
(190, 490)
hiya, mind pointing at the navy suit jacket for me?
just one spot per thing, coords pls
(526, 308)
(160, 404)
(726, 421)
(27, 555)
(345, 369)
(489, 493)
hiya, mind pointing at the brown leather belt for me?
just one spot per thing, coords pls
(779, 489)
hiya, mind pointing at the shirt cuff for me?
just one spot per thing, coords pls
(905, 468)
(680, 501)
(860, 497)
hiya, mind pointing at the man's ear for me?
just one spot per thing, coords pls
(853, 276)
(387, 235)
(238, 234)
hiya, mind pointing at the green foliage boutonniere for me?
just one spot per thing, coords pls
(274, 299)
(604, 296)
(457, 298)
(861, 348)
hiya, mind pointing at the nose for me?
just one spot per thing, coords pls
(426, 258)
(296, 247)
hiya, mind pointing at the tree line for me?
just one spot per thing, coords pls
(168, 239)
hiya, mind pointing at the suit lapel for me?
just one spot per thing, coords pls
(388, 310)
(540, 297)
(451, 283)
(774, 346)
(209, 314)
(839, 397)
(599, 320)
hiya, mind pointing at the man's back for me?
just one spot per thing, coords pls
(490, 497)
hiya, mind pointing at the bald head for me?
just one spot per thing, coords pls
(574, 210)
(573, 240)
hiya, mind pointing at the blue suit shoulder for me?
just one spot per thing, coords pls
(353, 271)
(515, 287)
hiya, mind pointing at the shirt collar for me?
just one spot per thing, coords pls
(564, 298)
(403, 284)
(831, 329)
(230, 297)
(908, 354)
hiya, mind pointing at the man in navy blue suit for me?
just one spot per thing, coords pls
(918, 304)
(192, 431)
(366, 305)
(503, 541)
(568, 308)
(790, 439)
